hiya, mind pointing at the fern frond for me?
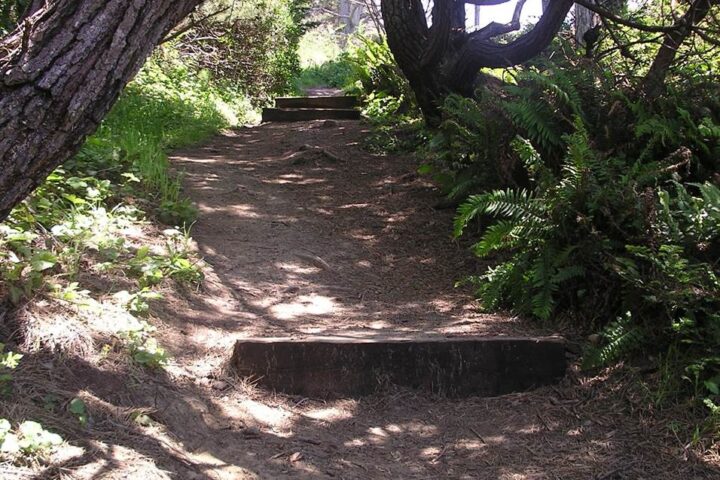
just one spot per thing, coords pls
(621, 338)
(499, 236)
(515, 204)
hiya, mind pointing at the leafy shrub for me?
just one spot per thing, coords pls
(250, 48)
(622, 235)
(469, 153)
(30, 438)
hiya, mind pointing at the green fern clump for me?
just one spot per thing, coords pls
(549, 234)
(610, 217)
(619, 338)
(542, 106)
(605, 237)
(470, 150)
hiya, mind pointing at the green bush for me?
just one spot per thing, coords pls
(250, 47)
(336, 73)
(620, 236)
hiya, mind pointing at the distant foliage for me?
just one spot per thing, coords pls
(251, 47)
(10, 12)
(336, 73)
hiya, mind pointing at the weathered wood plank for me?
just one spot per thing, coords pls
(341, 102)
(304, 114)
(458, 367)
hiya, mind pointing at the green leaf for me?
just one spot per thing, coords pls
(30, 429)
(4, 427)
(43, 260)
(77, 406)
(425, 169)
(10, 444)
(712, 387)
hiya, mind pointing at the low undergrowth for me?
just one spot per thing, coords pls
(594, 210)
(598, 211)
(84, 256)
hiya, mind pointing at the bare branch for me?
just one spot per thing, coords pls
(481, 52)
(654, 82)
(495, 29)
(192, 25)
(624, 21)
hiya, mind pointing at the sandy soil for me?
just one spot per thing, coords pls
(305, 233)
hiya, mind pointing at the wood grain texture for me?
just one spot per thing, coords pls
(60, 73)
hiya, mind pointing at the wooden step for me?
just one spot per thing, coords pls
(303, 114)
(332, 367)
(337, 102)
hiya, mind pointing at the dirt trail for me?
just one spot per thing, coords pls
(305, 233)
(317, 237)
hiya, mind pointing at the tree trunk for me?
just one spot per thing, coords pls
(407, 36)
(60, 72)
(584, 21)
(654, 83)
(445, 58)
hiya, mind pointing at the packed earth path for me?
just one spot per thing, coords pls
(306, 233)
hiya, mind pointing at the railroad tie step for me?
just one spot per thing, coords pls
(338, 102)
(303, 114)
(341, 367)
(296, 109)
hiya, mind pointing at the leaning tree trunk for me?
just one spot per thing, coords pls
(60, 72)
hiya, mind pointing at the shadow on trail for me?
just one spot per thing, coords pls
(201, 433)
(312, 244)
(304, 245)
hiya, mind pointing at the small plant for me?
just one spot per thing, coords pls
(176, 263)
(144, 349)
(78, 408)
(137, 303)
(8, 362)
(30, 438)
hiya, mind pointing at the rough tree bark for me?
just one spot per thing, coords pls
(60, 72)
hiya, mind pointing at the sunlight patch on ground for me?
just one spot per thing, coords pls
(469, 444)
(362, 235)
(297, 268)
(293, 181)
(245, 211)
(380, 324)
(430, 452)
(418, 429)
(304, 305)
(354, 205)
(331, 414)
(274, 417)
(237, 210)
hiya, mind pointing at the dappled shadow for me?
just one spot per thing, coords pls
(308, 243)
(349, 246)
(574, 431)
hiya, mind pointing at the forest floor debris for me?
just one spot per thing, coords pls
(347, 247)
